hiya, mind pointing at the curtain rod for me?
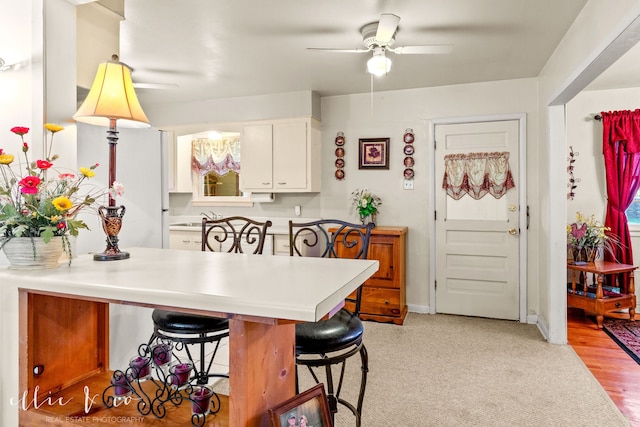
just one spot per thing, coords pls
(597, 117)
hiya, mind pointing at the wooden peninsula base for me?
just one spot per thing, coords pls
(65, 371)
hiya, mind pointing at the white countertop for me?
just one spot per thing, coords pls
(293, 288)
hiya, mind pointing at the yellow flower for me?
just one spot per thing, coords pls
(87, 172)
(62, 203)
(6, 159)
(55, 218)
(53, 128)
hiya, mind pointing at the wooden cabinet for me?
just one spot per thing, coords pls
(384, 294)
(188, 240)
(281, 156)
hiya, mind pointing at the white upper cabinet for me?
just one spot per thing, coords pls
(281, 156)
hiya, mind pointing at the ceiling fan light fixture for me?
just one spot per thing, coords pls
(379, 65)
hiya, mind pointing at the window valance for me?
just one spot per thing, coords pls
(477, 174)
(219, 155)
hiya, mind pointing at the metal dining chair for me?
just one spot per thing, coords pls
(184, 330)
(331, 342)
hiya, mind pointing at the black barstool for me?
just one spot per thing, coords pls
(185, 330)
(331, 342)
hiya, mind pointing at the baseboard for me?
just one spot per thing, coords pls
(532, 319)
(421, 309)
(543, 328)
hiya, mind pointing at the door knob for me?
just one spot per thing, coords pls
(512, 231)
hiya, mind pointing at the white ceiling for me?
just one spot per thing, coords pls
(231, 48)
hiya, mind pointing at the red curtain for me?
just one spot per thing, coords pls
(621, 149)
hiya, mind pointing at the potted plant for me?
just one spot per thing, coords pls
(366, 204)
(587, 238)
(39, 204)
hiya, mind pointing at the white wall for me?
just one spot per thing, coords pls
(22, 103)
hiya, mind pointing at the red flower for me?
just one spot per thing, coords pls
(43, 164)
(62, 225)
(20, 130)
(29, 184)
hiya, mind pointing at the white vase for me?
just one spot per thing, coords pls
(28, 253)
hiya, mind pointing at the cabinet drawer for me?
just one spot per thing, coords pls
(281, 244)
(382, 301)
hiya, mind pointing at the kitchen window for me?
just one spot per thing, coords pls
(215, 168)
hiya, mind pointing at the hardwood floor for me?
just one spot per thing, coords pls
(614, 369)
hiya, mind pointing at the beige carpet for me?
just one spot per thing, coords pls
(440, 370)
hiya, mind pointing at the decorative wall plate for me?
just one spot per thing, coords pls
(408, 138)
(340, 163)
(339, 174)
(339, 140)
(408, 161)
(408, 173)
(340, 152)
(408, 150)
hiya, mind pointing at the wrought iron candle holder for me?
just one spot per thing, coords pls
(164, 383)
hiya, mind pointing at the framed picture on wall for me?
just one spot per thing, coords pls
(310, 405)
(373, 153)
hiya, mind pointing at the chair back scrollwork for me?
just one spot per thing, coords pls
(331, 238)
(232, 233)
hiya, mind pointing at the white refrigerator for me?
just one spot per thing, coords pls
(141, 162)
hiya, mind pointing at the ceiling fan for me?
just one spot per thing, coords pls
(8, 67)
(378, 38)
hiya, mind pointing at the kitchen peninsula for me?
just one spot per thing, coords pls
(263, 297)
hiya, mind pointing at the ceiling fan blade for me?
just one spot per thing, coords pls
(419, 50)
(387, 27)
(155, 85)
(322, 49)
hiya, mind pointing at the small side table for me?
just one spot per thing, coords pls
(601, 304)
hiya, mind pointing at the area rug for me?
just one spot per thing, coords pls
(626, 334)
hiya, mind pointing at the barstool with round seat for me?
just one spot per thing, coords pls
(187, 330)
(331, 342)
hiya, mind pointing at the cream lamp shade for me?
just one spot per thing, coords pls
(112, 96)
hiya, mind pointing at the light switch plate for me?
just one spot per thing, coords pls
(297, 210)
(408, 184)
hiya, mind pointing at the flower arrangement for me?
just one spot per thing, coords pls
(590, 234)
(365, 203)
(586, 231)
(38, 201)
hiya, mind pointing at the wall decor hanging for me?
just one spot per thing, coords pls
(573, 181)
(477, 174)
(409, 149)
(373, 153)
(339, 174)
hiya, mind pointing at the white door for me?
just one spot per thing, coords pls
(477, 258)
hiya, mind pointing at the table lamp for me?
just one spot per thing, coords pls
(110, 99)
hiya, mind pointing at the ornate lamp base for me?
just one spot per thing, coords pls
(111, 223)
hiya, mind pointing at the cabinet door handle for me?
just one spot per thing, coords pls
(266, 183)
(186, 241)
(282, 183)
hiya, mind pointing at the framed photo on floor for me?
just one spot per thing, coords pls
(373, 153)
(311, 406)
